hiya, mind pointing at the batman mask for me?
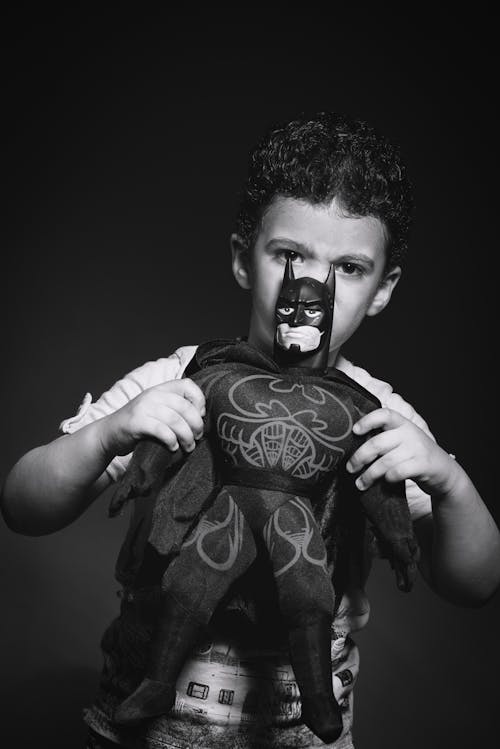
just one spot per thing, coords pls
(304, 316)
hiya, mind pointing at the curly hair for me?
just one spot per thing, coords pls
(325, 156)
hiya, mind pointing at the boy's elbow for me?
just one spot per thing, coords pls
(6, 504)
(12, 518)
(18, 509)
(9, 517)
(487, 591)
(473, 595)
(16, 526)
(478, 600)
(27, 525)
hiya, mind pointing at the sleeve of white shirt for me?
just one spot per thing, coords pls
(128, 387)
(418, 501)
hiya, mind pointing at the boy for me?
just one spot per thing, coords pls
(321, 191)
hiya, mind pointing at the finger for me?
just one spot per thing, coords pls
(378, 445)
(405, 469)
(193, 393)
(184, 408)
(387, 464)
(186, 389)
(381, 418)
(162, 432)
(180, 427)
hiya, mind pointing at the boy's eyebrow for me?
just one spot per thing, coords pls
(304, 249)
(358, 257)
(278, 242)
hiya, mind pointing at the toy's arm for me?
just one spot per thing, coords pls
(150, 462)
(387, 510)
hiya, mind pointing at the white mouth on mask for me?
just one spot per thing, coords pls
(307, 337)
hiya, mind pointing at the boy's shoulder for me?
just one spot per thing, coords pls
(147, 375)
(379, 388)
(383, 391)
(157, 371)
(363, 398)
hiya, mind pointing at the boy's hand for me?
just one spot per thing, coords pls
(401, 451)
(171, 412)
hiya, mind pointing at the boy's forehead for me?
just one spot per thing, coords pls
(321, 229)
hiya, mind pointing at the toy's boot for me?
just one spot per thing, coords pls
(177, 633)
(310, 650)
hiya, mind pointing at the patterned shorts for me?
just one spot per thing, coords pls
(94, 741)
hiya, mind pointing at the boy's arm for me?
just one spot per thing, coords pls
(460, 542)
(53, 484)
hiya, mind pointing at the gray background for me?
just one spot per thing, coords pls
(125, 148)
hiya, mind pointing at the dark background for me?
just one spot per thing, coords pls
(125, 149)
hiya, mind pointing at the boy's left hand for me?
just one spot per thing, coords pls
(400, 451)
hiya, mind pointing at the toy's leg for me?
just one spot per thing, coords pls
(298, 556)
(219, 550)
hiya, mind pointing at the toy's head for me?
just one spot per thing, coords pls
(304, 317)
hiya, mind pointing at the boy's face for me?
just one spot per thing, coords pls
(314, 237)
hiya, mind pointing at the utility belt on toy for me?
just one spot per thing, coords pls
(269, 480)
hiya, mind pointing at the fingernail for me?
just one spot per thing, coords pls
(356, 428)
(360, 483)
(349, 467)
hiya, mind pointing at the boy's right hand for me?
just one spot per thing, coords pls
(171, 412)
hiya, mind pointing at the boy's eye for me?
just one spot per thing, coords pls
(285, 310)
(350, 269)
(295, 257)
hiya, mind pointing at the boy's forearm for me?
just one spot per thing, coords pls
(462, 545)
(53, 484)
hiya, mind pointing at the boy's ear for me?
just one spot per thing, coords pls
(384, 291)
(241, 262)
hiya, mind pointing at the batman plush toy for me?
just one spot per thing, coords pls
(279, 428)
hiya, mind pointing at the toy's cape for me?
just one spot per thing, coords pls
(163, 520)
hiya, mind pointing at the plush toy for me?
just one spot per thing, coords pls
(279, 429)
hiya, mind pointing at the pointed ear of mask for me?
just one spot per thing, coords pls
(289, 274)
(330, 282)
